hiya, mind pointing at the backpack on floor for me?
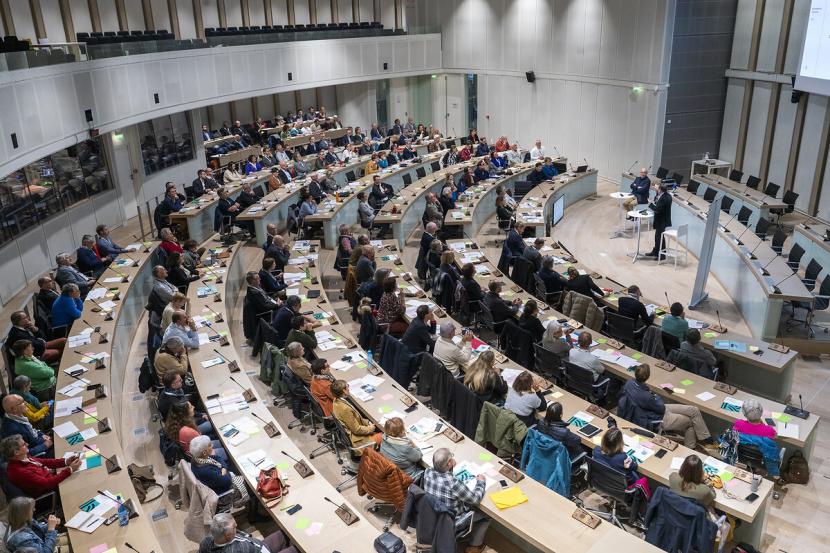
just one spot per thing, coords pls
(796, 470)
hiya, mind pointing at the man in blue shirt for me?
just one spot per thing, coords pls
(482, 149)
(88, 260)
(639, 188)
(548, 169)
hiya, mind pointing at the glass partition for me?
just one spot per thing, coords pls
(165, 142)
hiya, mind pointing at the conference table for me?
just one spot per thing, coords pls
(801, 433)
(316, 527)
(239, 156)
(197, 215)
(536, 207)
(332, 213)
(743, 196)
(753, 515)
(563, 534)
(302, 140)
(123, 304)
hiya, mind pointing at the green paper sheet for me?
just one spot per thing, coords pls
(687, 382)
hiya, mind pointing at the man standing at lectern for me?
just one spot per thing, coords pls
(661, 206)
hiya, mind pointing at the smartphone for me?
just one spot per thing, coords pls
(411, 408)
(294, 509)
(660, 454)
(503, 483)
(751, 497)
(758, 352)
(770, 422)
(212, 396)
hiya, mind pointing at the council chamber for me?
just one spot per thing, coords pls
(342, 276)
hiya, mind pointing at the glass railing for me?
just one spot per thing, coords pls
(40, 55)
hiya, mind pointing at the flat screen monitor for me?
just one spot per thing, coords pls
(558, 209)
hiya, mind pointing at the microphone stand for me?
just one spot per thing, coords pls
(270, 428)
(223, 338)
(111, 464)
(232, 365)
(103, 425)
(103, 337)
(247, 394)
(99, 361)
(124, 278)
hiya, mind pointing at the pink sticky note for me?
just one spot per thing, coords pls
(667, 385)
(314, 529)
(733, 483)
(647, 444)
(98, 548)
(386, 397)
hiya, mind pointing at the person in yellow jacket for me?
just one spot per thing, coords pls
(361, 430)
(372, 165)
(39, 413)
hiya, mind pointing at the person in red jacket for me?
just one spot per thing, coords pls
(169, 242)
(35, 477)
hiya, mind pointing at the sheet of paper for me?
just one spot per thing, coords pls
(65, 407)
(65, 429)
(705, 396)
(788, 430)
(676, 462)
(96, 293)
(85, 522)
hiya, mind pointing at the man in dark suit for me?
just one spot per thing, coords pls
(283, 173)
(515, 243)
(225, 130)
(661, 206)
(87, 260)
(24, 329)
(426, 239)
(256, 296)
(630, 306)
(283, 316)
(46, 294)
(199, 184)
(534, 253)
(246, 197)
(418, 338)
(501, 310)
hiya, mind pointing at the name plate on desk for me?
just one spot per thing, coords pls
(574, 324)
(666, 366)
(586, 518)
(780, 348)
(406, 400)
(725, 388)
(303, 469)
(454, 435)
(615, 344)
(346, 515)
(596, 276)
(664, 442)
(597, 411)
(511, 474)
(718, 328)
(374, 370)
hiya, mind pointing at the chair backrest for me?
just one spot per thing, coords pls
(753, 182)
(726, 204)
(778, 240)
(580, 379)
(549, 364)
(407, 179)
(670, 342)
(813, 270)
(761, 228)
(736, 175)
(421, 172)
(751, 456)
(794, 258)
(619, 327)
(772, 189)
(661, 172)
(678, 178)
(436, 166)
(692, 187)
(744, 214)
(350, 176)
(295, 386)
(790, 198)
(523, 272)
(608, 480)
(710, 195)
(822, 301)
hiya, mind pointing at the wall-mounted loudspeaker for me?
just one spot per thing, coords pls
(531, 76)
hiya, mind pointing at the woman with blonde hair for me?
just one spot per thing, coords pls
(25, 532)
(396, 446)
(484, 378)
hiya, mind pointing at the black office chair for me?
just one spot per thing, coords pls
(300, 396)
(661, 172)
(761, 228)
(485, 321)
(523, 273)
(772, 189)
(710, 195)
(753, 182)
(350, 176)
(621, 328)
(794, 257)
(581, 382)
(778, 240)
(743, 215)
(670, 342)
(554, 299)
(549, 365)
(611, 484)
(407, 179)
(678, 178)
(692, 187)
(726, 204)
(736, 175)
(516, 343)
(789, 198)
(811, 274)
(421, 172)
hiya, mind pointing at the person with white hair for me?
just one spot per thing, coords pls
(212, 470)
(538, 151)
(754, 424)
(66, 273)
(161, 286)
(225, 538)
(514, 156)
(554, 339)
(297, 363)
(453, 356)
(441, 484)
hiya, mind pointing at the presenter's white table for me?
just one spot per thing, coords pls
(707, 167)
(640, 218)
(622, 197)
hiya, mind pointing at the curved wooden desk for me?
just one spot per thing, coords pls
(83, 486)
(562, 534)
(310, 492)
(535, 209)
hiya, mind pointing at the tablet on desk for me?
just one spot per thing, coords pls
(589, 430)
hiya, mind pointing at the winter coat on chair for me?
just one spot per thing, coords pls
(547, 461)
(502, 428)
(381, 479)
(678, 524)
(200, 502)
(583, 309)
(434, 524)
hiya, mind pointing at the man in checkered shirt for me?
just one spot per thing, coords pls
(440, 483)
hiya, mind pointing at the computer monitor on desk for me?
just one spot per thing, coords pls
(582, 169)
(558, 209)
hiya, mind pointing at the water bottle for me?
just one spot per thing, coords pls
(369, 356)
(123, 513)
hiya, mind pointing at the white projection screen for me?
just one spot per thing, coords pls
(814, 69)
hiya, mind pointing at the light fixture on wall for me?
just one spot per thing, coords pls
(117, 138)
(637, 89)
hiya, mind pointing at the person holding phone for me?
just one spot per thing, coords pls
(35, 476)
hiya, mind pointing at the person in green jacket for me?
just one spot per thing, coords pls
(302, 331)
(676, 323)
(25, 363)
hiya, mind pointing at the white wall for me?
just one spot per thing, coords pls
(356, 104)
(80, 16)
(586, 54)
(210, 13)
(54, 23)
(22, 17)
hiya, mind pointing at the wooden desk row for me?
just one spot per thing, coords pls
(562, 533)
(741, 194)
(238, 156)
(520, 520)
(536, 207)
(81, 488)
(316, 527)
(692, 385)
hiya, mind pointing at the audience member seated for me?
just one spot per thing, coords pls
(485, 380)
(581, 355)
(504, 214)
(321, 382)
(418, 338)
(630, 306)
(184, 328)
(396, 446)
(181, 425)
(192, 255)
(256, 298)
(302, 332)
(529, 321)
(25, 534)
(582, 284)
(468, 281)
(610, 452)
(392, 308)
(278, 250)
(553, 425)
(104, 243)
(163, 289)
(46, 294)
(549, 169)
(88, 260)
(39, 413)
(41, 375)
(440, 484)
(361, 431)
(690, 481)
(554, 282)
(297, 363)
(271, 284)
(35, 476)
(224, 538)
(502, 310)
(554, 339)
(694, 349)
(68, 307)
(455, 357)
(283, 317)
(171, 357)
(525, 398)
(15, 422)
(178, 303)
(644, 406)
(537, 175)
(169, 242)
(177, 274)
(448, 266)
(24, 329)
(533, 253)
(173, 392)
(753, 431)
(212, 471)
(232, 175)
(675, 323)
(66, 274)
